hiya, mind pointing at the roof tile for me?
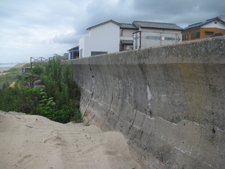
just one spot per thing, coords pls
(157, 25)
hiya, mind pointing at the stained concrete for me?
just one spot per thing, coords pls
(168, 101)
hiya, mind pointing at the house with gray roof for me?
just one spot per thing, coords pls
(201, 30)
(111, 36)
(152, 34)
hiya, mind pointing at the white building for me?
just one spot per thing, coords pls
(152, 34)
(103, 38)
(107, 37)
(111, 36)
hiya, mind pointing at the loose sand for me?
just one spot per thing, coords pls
(29, 141)
(20, 65)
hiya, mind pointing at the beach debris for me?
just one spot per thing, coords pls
(13, 85)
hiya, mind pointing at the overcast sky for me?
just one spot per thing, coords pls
(41, 28)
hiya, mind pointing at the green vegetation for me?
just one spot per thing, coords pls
(58, 101)
(13, 70)
(38, 70)
(9, 77)
(12, 74)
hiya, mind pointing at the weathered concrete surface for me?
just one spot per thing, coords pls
(168, 101)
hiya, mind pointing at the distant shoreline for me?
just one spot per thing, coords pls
(11, 65)
(2, 69)
(7, 65)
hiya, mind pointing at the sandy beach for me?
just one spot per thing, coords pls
(30, 141)
(19, 65)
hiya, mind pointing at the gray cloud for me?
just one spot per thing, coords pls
(179, 11)
(44, 27)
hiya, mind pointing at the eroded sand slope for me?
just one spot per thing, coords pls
(35, 142)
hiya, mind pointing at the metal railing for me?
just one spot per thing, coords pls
(40, 60)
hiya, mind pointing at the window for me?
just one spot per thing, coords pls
(195, 35)
(185, 37)
(208, 33)
(76, 54)
(93, 53)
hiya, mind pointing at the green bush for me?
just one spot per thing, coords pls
(38, 70)
(59, 101)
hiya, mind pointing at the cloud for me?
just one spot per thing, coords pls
(44, 27)
(177, 11)
(70, 38)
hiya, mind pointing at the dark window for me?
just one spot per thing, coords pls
(76, 54)
(185, 37)
(93, 53)
(195, 35)
(208, 33)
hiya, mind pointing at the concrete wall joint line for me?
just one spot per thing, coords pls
(92, 91)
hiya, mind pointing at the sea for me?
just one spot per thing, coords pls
(7, 65)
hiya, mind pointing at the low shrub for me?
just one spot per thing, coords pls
(59, 101)
(38, 70)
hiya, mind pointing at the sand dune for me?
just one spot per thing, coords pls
(35, 142)
(19, 65)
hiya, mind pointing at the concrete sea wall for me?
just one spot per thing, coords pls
(168, 101)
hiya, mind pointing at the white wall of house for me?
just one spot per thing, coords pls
(151, 39)
(103, 38)
(81, 47)
(69, 56)
(214, 24)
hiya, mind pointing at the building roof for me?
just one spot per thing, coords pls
(103, 24)
(157, 25)
(199, 24)
(141, 24)
(74, 48)
(127, 42)
(128, 26)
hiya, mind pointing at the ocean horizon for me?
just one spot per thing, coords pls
(7, 65)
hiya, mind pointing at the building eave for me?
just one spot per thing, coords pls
(203, 23)
(73, 48)
(162, 28)
(103, 24)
